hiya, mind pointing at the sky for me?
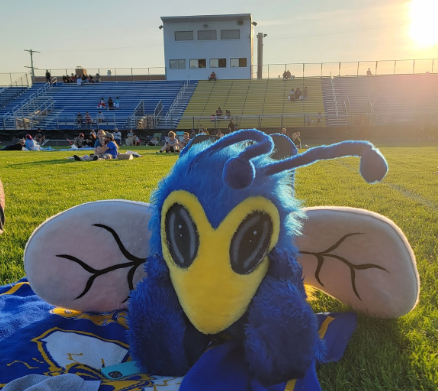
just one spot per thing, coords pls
(124, 34)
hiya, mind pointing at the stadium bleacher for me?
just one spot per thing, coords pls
(253, 103)
(375, 100)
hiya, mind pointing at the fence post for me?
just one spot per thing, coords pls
(357, 72)
(339, 69)
(193, 123)
(282, 120)
(10, 77)
(433, 61)
(395, 65)
(375, 71)
(321, 69)
(413, 67)
(268, 72)
(303, 72)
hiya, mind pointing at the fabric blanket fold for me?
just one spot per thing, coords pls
(38, 338)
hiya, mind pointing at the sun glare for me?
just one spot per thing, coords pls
(424, 18)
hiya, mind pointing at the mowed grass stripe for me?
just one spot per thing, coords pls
(385, 355)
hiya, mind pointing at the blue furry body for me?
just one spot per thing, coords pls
(278, 331)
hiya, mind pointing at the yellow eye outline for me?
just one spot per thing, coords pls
(211, 294)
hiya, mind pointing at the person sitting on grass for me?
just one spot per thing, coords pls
(18, 146)
(40, 137)
(80, 141)
(107, 151)
(186, 139)
(99, 142)
(171, 144)
(29, 143)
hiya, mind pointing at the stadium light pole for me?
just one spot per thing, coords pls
(31, 62)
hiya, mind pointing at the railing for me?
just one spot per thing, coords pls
(334, 95)
(139, 111)
(15, 79)
(40, 92)
(71, 121)
(13, 90)
(157, 112)
(356, 68)
(177, 99)
(27, 120)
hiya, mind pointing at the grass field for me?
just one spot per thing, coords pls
(384, 355)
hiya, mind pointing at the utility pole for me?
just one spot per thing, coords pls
(31, 62)
(260, 37)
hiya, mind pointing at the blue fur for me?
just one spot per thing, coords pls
(279, 330)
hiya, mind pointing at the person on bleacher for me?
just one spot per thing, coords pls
(98, 78)
(101, 104)
(79, 119)
(212, 76)
(110, 103)
(117, 136)
(219, 112)
(231, 126)
(298, 94)
(88, 119)
(292, 95)
(305, 93)
(117, 103)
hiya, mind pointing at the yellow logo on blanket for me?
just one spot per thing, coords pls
(101, 319)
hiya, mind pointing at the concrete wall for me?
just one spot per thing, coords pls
(208, 49)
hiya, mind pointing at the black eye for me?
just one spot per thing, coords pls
(250, 242)
(181, 235)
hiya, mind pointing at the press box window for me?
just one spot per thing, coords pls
(218, 62)
(238, 62)
(177, 64)
(183, 35)
(207, 35)
(198, 63)
(230, 34)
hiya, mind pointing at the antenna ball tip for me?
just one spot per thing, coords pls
(239, 173)
(373, 166)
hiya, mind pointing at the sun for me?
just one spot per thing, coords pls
(424, 26)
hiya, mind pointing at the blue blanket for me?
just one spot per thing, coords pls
(37, 337)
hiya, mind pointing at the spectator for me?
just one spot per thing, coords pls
(369, 72)
(17, 146)
(110, 103)
(130, 139)
(117, 103)
(101, 104)
(193, 133)
(90, 79)
(100, 117)
(305, 93)
(79, 119)
(65, 79)
(91, 139)
(284, 75)
(171, 144)
(183, 143)
(80, 141)
(298, 93)
(29, 143)
(84, 78)
(78, 81)
(292, 95)
(231, 126)
(227, 114)
(98, 78)
(219, 112)
(48, 77)
(297, 140)
(100, 142)
(88, 119)
(110, 149)
(117, 137)
(40, 137)
(284, 131)
(137, 141)
(212, 76)
(201, 130)
(219, 134)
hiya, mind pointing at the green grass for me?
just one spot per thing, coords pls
(383, 355)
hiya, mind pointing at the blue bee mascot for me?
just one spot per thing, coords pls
(224, 252)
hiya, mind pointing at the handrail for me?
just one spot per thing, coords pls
(334, 95)
(40, 92)
(177, 99)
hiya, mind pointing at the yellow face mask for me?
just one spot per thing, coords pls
(216, 272)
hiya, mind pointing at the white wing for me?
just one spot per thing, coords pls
(361, 258)
(89, 257)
